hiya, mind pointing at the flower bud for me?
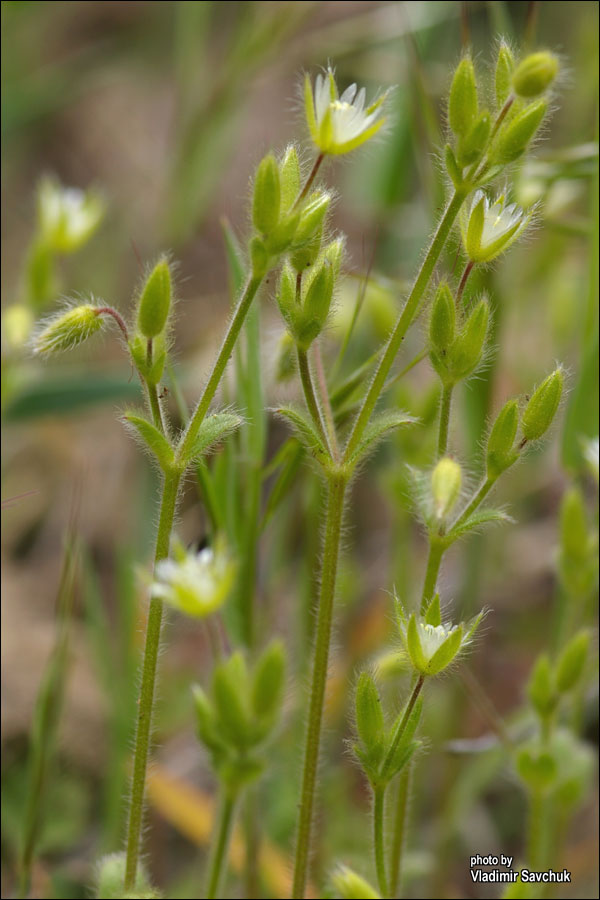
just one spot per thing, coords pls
(334, 254)
(462, 102)
(516, 134)
(370, 724)
(230, 683)
(155, 301)
(351, 886)
(574, 537)
(446, 480)
(535, 74)
(540, 688)
(541, 409)
(268, 682)
(442, 323)
(267, 196)
(316, 304)
(67, 329)
(505, 66)
(499, 452)
(472, 145)
(289, 175)
(571, 662)
(286, 296)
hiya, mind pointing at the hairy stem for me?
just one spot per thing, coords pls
(146, 699)
(311, 397)
(333, 529)
(378, 837)
(153, 393)
(479, 497)
(405, 320)
(324, 391)
(444, 420)
(463, 281)
(401, 727)
(219, 366)
(399, 829)
(434, 561)
(221, 844)
(310, 179)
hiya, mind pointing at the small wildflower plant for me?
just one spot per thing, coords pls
(238, 715)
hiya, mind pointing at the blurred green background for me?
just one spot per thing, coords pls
(166, 108)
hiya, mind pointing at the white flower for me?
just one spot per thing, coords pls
(431, 637)
(489, 228)
(340, 124)
(429, 644)
(195, 583)
(590, 452)
(68, 216)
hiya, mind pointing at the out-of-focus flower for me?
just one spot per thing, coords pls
(590, 452)
(67, 216)
(340, 124)
(490, 227)
(17, 322)
(195, 583)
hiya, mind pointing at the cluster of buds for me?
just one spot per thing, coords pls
(455, 353)
(241, 713)
(284, 221)
(484, 145)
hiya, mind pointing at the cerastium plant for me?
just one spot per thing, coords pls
(290, 233)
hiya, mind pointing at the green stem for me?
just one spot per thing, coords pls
(401, 727)
(399, 829)
(221, 844)
(444, 420)
(153, 393)
(310, 179)
(333, 529)
(434, 561)
(479, 497)
(146, 699)
(404, 321)
(378, 835)
(311, 397)
(187, 441)
(535, 838)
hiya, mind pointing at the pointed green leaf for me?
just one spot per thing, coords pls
(378, 429)
(370, 724)
(303, 428)
(153, 439)
(213, 431)
(477, 521)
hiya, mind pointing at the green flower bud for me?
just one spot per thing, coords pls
(542, 407)
(505, 67)
(442, 323)
(574, 537)
(155, 301)
(516, 134)
(370, 723)
(334, 254)
(266, 205)
(351, 886)
(540, 688)
(452, 167)
(472, 145)
(571, 662)
(268, 682)
(499, 452)
(446, 480)
(462, 102)
(535, 74)
(67, 329)
(289, 174)
(286, 296)
(308, 235)
(316, 305)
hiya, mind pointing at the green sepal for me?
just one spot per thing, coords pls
(571, 662)
(444, 655)
(413, 645)
(153, 440)
(452, 167)
(465, 353)
(442, 322)
(433, 614)
(267, 684)
(154, 372)
(402, 756)
(260, 258)
(289, 176)
(229, 687)
(514, 136)
(500, 454)
(207, 726)
(505, 66)
(266, 203)
(462, 101)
